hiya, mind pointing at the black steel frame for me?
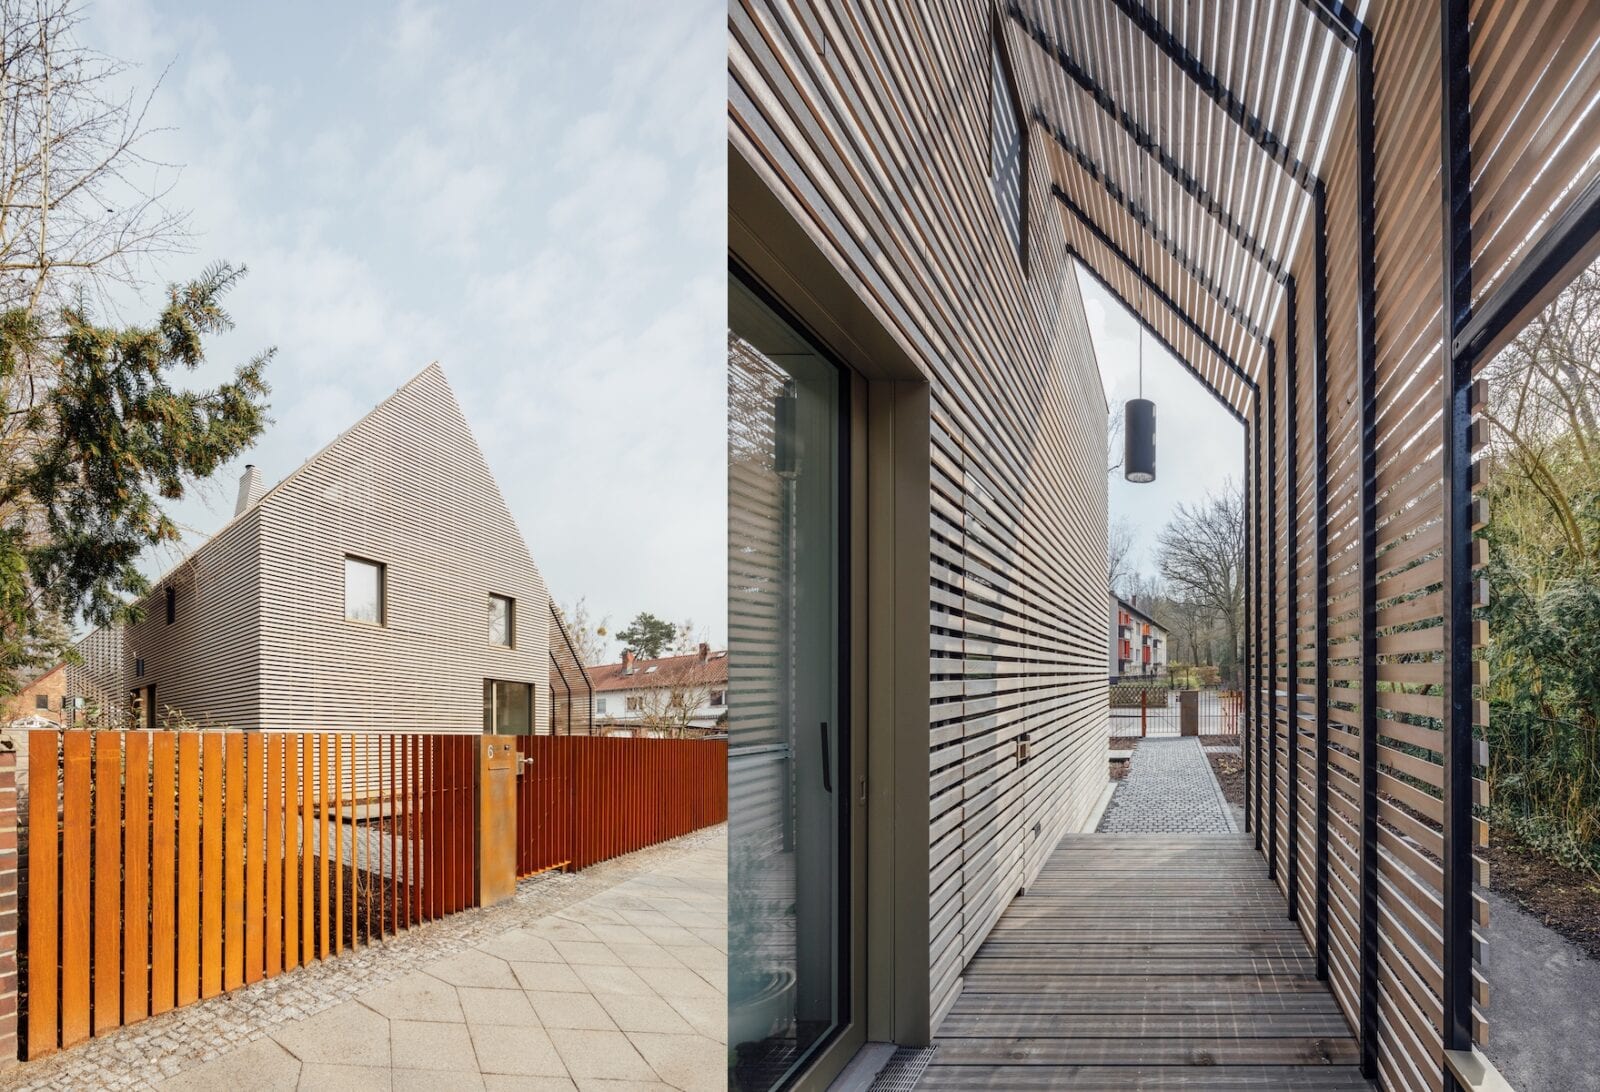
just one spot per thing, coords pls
(1367, 352)
(1291, 525)
(1319, 382)
(1456, 210)
(1272, 610)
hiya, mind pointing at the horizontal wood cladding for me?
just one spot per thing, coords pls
(205, 665)
(259, 637)
(886, 168)
(406, 487)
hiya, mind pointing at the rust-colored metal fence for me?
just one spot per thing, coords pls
(585, 799)
(163, 868)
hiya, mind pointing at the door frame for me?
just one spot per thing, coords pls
(886, 576)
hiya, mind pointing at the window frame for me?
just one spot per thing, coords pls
(383, 591)
(1007, 71)
(511, 620)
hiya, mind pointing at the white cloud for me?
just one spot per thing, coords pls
(529, 206)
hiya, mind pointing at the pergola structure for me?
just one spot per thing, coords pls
(1333, 218)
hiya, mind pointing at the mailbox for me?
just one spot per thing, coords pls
(497, 819)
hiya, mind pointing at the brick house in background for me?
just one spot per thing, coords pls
(384, 584)
(43, 698)
(665, 695)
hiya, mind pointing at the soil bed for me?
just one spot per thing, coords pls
(1230, 775)
(1564, 899)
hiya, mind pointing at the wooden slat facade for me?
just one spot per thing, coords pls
(826, 104)
(259, 637)
(1332, 221)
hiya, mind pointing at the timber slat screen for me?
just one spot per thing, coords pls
(1379, 204)
(167, 867)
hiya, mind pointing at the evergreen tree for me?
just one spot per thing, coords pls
(97, 437)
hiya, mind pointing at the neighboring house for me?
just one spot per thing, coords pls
(665, 695)
(382, 585)
(44, 699)
(1138, 644)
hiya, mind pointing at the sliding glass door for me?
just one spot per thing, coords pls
(788, 779)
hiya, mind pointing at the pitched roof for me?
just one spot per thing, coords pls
(666, 671)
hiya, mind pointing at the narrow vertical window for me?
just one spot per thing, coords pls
(1008, 152)
(502, 620)
(363, 590)
(172, 604)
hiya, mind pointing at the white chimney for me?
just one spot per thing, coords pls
(249, 489)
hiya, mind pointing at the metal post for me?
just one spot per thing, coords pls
(1456, 286)
(1367, 348)
(1320, 519)
(1272, 609)
(1291, 574)
(1247, 652)
(1256, 641)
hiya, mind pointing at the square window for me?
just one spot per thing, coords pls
(41, 701)
(363, 590)
(502, 620)
(635, 705)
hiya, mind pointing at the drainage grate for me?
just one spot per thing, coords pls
(904, 1070)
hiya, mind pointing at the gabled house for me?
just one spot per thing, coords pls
(383, 584)
(668, 694)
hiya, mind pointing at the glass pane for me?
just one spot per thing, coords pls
(499, 620)
(363, 590)
(787, 779)
(513, 708)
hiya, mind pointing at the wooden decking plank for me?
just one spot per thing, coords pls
(1146, 961)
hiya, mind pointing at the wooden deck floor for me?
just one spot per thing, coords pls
(1146, 961)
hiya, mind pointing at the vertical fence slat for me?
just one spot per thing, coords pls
(44, 861)
(188, 933)
(322, 846)
(338, 841)
(308, 843)
(233, 855)
(107, 963)
(211, 832)
(291, 853)
(255, 909)
(75, 892)
(136, 884)
(272, 961)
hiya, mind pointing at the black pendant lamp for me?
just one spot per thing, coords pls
(1139, 431)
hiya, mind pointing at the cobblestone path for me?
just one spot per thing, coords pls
(1169, 789)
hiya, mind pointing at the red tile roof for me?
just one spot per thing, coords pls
(666, 671)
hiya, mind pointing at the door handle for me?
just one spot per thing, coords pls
(827, 769)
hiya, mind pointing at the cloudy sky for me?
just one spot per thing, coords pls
(1199, 448)
(533, 195)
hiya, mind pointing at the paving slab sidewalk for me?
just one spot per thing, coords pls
(624, 988)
